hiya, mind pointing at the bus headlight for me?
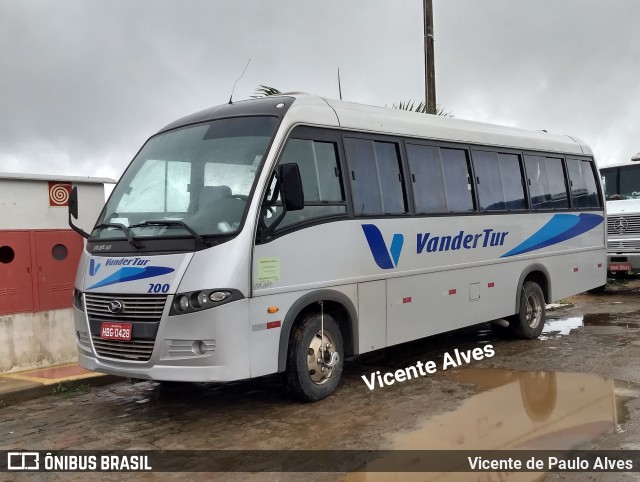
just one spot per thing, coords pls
(199, 299)
(218, 296)
(181, 303)
(192, 301)
(78, 299)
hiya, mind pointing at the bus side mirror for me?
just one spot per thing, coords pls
(73, 202)
(291, 187)
(73, 212)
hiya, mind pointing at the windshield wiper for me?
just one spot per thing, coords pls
(126, 232)
(174, 222)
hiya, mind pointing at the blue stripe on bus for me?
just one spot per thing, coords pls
(131, 274)
(559, 228)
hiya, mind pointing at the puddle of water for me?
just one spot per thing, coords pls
(517, 411)
(625, 320)
(524, 410)
(563, 326)
(599, 319)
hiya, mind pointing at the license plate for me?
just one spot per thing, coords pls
(115, 331)
(620, 267)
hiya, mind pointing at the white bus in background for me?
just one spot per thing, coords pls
(283, 234)
(622, 191)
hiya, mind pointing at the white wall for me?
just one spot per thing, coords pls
(29, 340)
(24, 204)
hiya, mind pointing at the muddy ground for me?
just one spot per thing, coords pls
(577, 386)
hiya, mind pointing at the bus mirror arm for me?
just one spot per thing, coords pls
(73, 212)
(266, 233)
(290, 186)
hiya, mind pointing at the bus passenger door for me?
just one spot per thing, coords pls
(372, 309)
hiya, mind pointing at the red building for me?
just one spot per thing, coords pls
(39, 255)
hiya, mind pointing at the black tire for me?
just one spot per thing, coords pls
(529, 321)
(298, 375)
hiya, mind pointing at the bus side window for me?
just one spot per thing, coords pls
(440, 177)
(321, 183)
(376, 178)
(557, 183)
(500, 181)
(584, 189)
(546, 183)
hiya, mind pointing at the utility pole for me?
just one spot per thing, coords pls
(429, 67)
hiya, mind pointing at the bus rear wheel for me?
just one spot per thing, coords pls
(529, 321)
(315, 358)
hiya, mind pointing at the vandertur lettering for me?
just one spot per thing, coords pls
(127, 262)
(488, 237)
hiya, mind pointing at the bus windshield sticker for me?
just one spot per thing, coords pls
(268, 269)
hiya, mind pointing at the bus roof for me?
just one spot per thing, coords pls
(415, 124)
(620, 164)
(315, 110)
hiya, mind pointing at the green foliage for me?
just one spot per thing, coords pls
(265, 91)
(85, 388)
(422, 108)
(410, 105)
(60, 389)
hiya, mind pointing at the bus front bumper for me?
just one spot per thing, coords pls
(206, 346)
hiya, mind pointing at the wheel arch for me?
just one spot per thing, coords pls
(539, 274)
(337, 304)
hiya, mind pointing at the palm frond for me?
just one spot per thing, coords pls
(265, 91)
(422, 108)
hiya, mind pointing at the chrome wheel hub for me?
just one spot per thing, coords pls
(533, 311)
(321, 357)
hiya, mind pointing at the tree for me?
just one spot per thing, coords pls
(264, 91)
(410, 105)
(422, 108)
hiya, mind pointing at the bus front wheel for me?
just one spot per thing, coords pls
(315, 358)
(529, 320)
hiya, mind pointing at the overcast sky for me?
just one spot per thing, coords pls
(83, 83)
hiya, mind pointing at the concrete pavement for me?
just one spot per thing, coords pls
(25, 385)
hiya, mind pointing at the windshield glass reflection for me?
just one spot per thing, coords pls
(193, 181)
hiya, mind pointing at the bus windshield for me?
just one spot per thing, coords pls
(192, 181)
(621, 182)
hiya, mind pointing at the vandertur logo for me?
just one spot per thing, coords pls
(385, 258)
(93, 267)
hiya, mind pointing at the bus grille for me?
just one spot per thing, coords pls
(136, 308)
(623, 245)
(623, 225)
(138, 350)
